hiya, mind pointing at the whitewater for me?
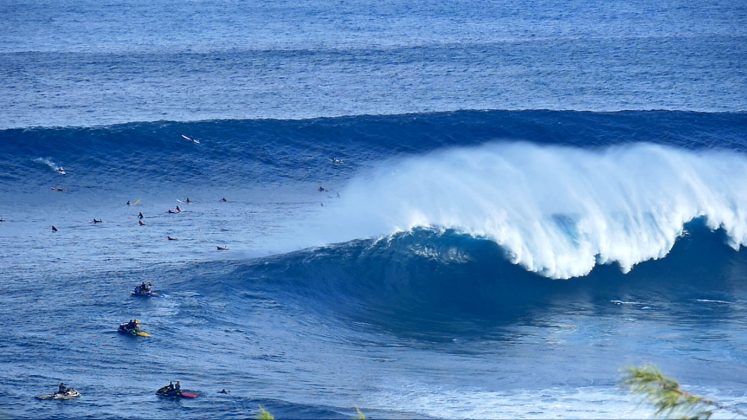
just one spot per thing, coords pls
(425, 279)
(557, 211)
(416, 210)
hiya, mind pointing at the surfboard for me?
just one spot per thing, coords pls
(193, 140)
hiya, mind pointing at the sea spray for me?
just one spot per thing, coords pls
(48, 162)
(557, 211)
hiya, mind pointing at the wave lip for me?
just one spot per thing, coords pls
(557, 211)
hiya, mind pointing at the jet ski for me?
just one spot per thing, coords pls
(133, 331)
(169, 391)
(67, 395)
(140, 292)
(145, 293)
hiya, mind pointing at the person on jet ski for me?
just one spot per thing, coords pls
(143, 288)
(169, 389)
(61, 389)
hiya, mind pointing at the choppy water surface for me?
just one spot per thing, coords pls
(466, 263)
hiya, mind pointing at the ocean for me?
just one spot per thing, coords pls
(463, 210)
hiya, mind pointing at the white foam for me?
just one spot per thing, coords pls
(559, 403)
(48, 162)
(557, 211)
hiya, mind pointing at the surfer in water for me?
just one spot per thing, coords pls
(141, 223)
(139, 215)
(222, 248)
(96, 221)
(223, 200)
(54, 229)
(171, 238)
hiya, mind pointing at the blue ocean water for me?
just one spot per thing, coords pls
(464, 210)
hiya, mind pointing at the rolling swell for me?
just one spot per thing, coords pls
(435, 284)
(560, 192)
(237, 151)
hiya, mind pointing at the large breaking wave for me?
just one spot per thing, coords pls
(559, 192)
(557, 211)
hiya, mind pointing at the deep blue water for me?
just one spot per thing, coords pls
(518, 201)
(87, 62)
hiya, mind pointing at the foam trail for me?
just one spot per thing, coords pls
(557, 211)
(48, 162)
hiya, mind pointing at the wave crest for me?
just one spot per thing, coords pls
(557, 211)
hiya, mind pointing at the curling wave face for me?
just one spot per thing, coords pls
(560, 192)
(557, 211)
(436, 253)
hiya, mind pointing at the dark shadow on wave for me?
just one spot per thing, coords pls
(434, 285)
